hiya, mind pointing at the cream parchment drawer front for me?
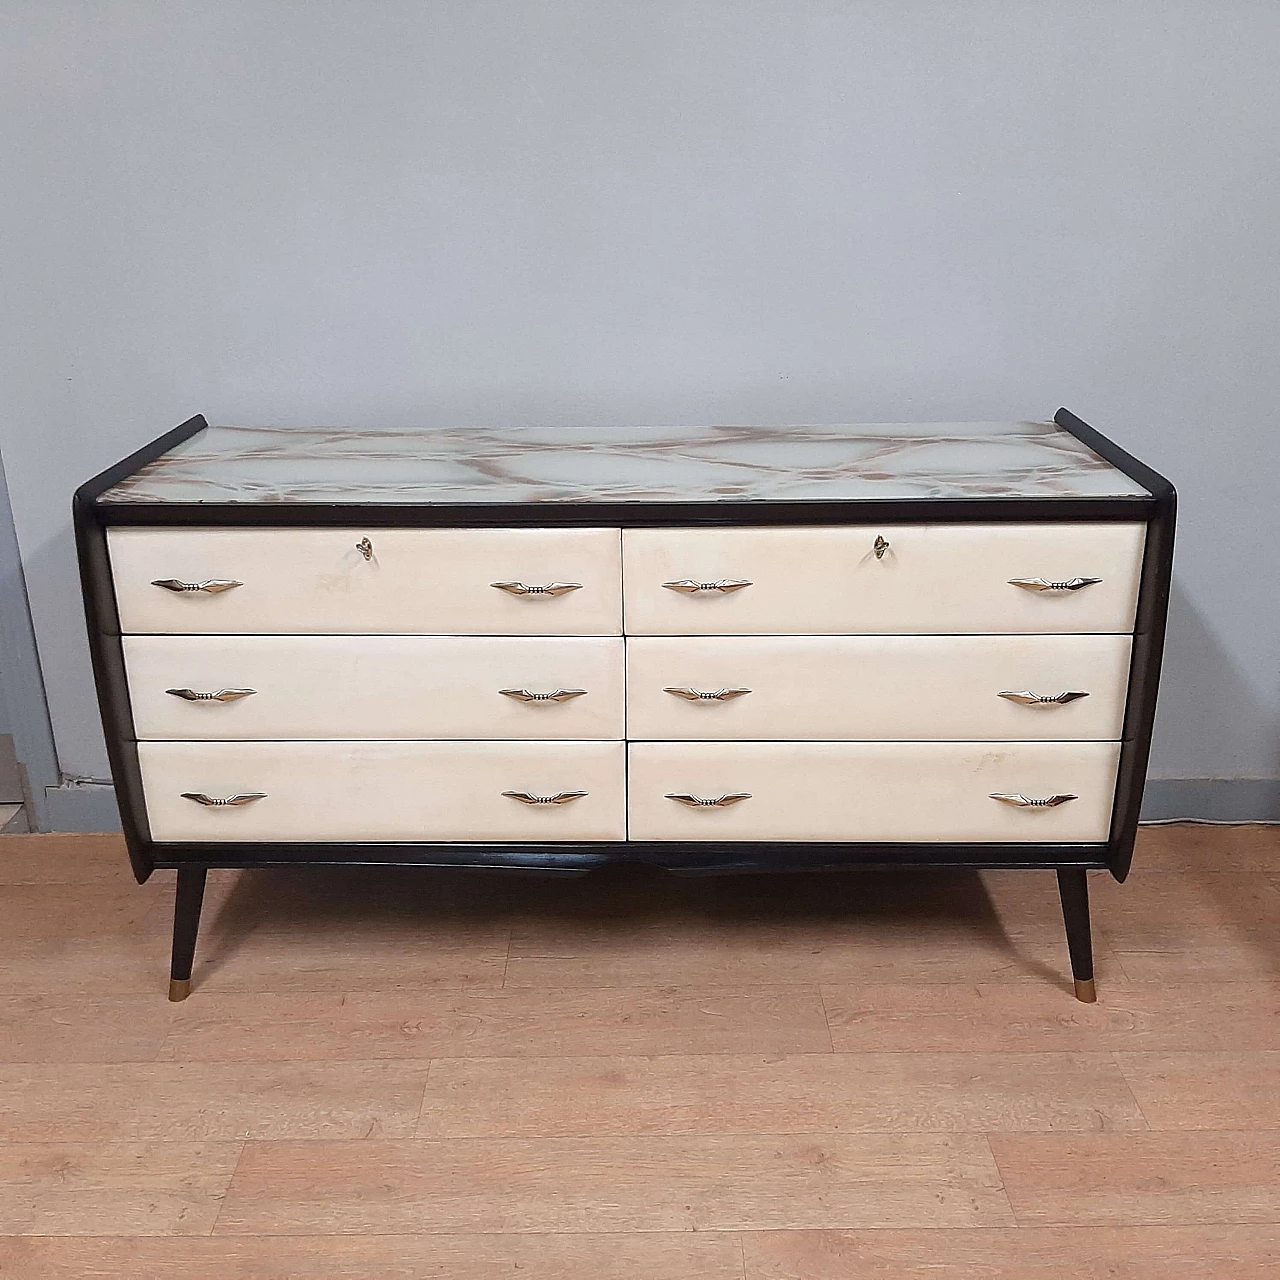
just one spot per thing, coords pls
(326, 791)
(350, 687)
(877, 687)
(328, 581)
(882, 791)
(926, 579)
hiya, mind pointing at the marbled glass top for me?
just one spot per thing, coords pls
(611, 464)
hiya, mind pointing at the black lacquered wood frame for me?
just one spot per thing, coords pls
(1156, 509)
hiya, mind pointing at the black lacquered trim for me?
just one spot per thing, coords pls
(689, 856)
(631, 515)
(1148, 639)
(106, 651)
(93, 489)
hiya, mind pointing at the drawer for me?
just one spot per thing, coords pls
(928, 579)
(428, 581)
(346, 687)
(875, 791)
(384, 790)
(876, 687)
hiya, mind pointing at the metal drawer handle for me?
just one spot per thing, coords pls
(560, 797)
(220, 802)
(560, 695)
(880, 546)
(720, 802)
(1043, 584)
(688, 587)
(220, 695)
(697, 695)
(365, 548)
(551, 589)
(213, 586)
(1025, 802)
(1026, 698)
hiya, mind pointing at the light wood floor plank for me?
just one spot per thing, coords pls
(1206, 896)
(423, 1024)
(1029, 1018)
(34, 912)
(1195, 848)
(606, 1185)
(301, 962)
(83, 1028)
(113, 1188)
(102, 966)
(317, 929)
(1133, 1179)
(67, 859)
(1229, 1090)
(126, 1102)
(1048, 1253)
(1174, 953)
(825, 1093)
(687, 1255)
(655, 1076)
(770, 954)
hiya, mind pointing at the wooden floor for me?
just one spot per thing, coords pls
(415, 1074)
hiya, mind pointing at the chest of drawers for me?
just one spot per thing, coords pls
(713, 650)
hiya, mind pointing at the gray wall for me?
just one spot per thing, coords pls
(26, 736)
(701, 210)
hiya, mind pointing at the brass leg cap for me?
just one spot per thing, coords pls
(180, 988)
(1086, 991)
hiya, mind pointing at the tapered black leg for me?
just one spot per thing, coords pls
(1073, 889)
(186, 924)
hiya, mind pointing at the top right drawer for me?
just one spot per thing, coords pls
(867, 579)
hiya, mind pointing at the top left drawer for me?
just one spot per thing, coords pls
(331, 581)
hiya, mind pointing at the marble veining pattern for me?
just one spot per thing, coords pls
(619, 464)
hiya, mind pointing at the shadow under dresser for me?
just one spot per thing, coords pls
(713, 649)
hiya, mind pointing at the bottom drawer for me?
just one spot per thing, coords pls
(384, 790)
(878, 791)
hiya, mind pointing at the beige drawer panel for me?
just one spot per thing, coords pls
(930, 579)
(876, 687)
(348, 687)
(890, 791)
(384, 790)
(428, 581)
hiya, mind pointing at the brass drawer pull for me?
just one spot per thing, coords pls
(560, 797)
(213, 586)
(218, 802)
(551, 589)
(1042, 584)
(1025, 698)
(1025, 802)
(699, 802)
(220, 695)
(560, 695)
(880, 546)
(365, 548)
(688, 587)
(697, 695)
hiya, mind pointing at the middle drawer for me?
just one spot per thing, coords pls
(370, 687)
(877, 688)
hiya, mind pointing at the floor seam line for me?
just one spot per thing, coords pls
(226, 1191)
